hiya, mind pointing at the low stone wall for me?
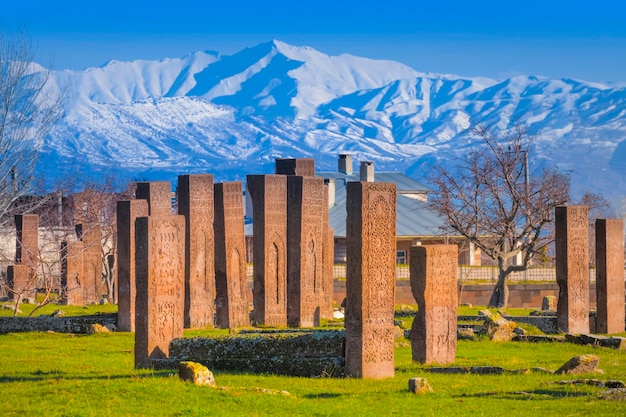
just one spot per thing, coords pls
(295, 353)
(520, 295)
(77, 324)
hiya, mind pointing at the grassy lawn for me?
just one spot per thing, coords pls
(6, 309)
(70, 375)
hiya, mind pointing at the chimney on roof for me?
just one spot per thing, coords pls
(367, 171)
(330, 185)
(345, 164)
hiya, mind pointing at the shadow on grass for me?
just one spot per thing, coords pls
(537, 394)
(322, 395)
(58, 375)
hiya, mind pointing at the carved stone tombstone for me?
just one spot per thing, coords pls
(305, 237)
(27, 239)
(127, 212)
(370, 281)
(93, 286)
(328, 259)
(21, 278)
(572, 268)
(434, 287)
(269, 202)
(160, 280)
(610, 275)
(72, 288)
(195, 202)
(295, 166)
(158, 194)
(230, 257)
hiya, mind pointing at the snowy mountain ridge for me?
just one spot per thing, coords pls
(232, 115)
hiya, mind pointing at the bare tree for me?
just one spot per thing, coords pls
(30, 103)
(493, 200)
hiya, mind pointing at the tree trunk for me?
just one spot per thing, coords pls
(500, 295)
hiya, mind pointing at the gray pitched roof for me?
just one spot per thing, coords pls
(405, 183)
(413, 218)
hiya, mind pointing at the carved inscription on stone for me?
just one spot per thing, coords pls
(195, 202)
(328, 259)
(572, 268)
(160, 269)
(127, 212)
(269, 202)
(610, 276)
(434, 287)
(297, 166)
(305, 226)
(230, 262)
(370, 281)
(158, 194)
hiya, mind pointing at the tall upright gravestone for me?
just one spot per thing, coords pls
(27, 239)
(22, 276)
(610, 276)
(370, 281)
(195, 202)
(269, 205)
(90, 235)
(127, 212)
(434, 286)
(328, 261)
(305, 237)
(230, 257)
(160, 280)
(572, 268)
(21, 279)
(72, 275)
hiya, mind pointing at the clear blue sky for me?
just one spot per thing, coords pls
(585, 40)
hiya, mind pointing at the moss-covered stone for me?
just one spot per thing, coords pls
(313, 353)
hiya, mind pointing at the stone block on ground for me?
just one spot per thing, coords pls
(498, 328)
(548, 303)
(419, 386)
(583, 364)
(196, 373)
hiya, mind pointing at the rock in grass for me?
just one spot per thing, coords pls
(498, 328)
(97, 328)
(419, 386)
(196, 373)
(583, 364)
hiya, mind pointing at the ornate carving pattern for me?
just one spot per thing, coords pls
(572, 253)
(160, 286)
(370, 284)
(230, 266)
(434, 287)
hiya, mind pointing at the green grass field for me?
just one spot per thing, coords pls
(50, 374)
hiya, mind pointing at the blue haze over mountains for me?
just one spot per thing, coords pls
(232, 115)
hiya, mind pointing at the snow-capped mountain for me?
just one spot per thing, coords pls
(232, 115)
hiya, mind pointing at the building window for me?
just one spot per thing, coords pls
(340, 253)
(400, 257)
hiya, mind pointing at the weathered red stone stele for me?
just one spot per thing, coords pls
(195, 202)
(230, 257)
(572, 268)
(434, 286)
(160, 280)
(370, 281)
(610, 276)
